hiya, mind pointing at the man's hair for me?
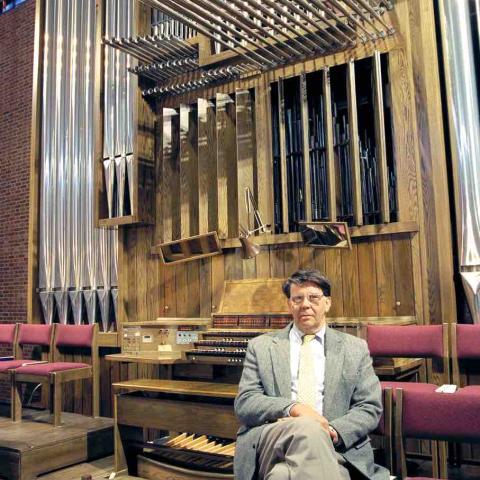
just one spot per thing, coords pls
(307, 276)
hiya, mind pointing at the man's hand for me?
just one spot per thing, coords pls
(333, 435)
(301, 410)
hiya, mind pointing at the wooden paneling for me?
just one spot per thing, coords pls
(350, 278)
(170, 175)
(384, 267)
(333, 271)
(264, 170)
(380, 140)
(368, 285)
(188, 171)
(245, 140)
(227, 167)
(207, 166)
(332, 193)
(433, 166)
(354, 144)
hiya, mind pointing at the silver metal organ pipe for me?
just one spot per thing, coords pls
(464, 116)
(68, 266)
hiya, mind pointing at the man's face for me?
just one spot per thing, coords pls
(308, 306)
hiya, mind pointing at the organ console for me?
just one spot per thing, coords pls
(203, 411)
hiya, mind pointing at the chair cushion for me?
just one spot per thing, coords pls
(30, 334)
(76, 336)
(424, 341)
(47, 368)
(441, 416)
(7, 333)
(9, 364)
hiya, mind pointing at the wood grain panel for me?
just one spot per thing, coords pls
(277, 261)
(368, 279)
(153, 281)
(182, 289)
(319, 259)
(404, 138)
(328, 125)
(207, 166)
(417, 279)
(291, 259)
(131, 246)
(169, 160)
(434, 172)
(143, 249)
(187, 171)
(350, 277)
(170, 308)
(204, 286)
(403, 274)
(385, 276)
(333, 271)
(218, 278)
(306, 257)
(264, 170)
(354, 144)
(226, 167)
(263, 262)
(380, 139)
(249, 268)
(233, 266)
(194, 291)
(193, 181)
(245, 137)
(122, 277)
(159, 184)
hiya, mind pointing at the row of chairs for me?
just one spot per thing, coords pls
(450, 343)
(49, 370)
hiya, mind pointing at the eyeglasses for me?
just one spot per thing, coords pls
(313, 299)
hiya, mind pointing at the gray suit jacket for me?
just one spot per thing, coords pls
(352, 397)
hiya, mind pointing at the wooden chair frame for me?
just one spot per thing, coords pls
(388, 427)
(55, 380)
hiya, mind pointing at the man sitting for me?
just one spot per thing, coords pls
(308, 397)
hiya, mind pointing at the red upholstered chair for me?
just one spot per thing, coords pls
(434, 416)
(54, 374)
(21, 335)
(409, 341)
(18, 336)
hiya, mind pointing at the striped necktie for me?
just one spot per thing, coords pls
(307, 381)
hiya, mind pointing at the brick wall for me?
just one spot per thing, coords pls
(16, 74)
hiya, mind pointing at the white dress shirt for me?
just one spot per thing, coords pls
(318, 351)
